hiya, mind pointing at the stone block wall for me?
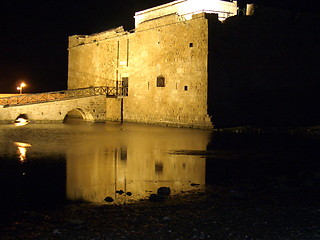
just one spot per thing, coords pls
(177, 51)
(93, 59)
(169, 48)
(91, 108)
(113, 109)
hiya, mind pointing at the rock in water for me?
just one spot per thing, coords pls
(156, 198)
(164, 191)
(120, 192)
(109, 199)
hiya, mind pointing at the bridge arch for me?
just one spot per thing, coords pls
(22, 115)
(91, 109)
(77, 114)
(21, 120)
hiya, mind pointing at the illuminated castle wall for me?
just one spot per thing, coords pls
(165, 60)
(188, 65)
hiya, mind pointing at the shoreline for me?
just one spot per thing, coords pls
(218, 213)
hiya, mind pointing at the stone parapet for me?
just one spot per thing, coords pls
(187, 8)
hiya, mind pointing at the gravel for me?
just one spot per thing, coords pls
(229, 212)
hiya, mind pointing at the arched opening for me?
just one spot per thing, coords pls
(74, 116)
(21, 120)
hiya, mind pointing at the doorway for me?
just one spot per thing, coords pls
(125, 86)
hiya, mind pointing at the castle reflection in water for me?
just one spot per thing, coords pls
(134, 161)
(89, 162)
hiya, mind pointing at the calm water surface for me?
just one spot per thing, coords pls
(48, 164)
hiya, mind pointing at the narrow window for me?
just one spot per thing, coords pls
(191, 44)
(186, 88)
(160, 81)
(125, 86)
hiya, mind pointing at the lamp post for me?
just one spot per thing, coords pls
(22, 85)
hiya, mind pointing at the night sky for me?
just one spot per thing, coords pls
(34, 36)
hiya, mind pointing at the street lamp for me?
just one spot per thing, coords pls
(22, 85)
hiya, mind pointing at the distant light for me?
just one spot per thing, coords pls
(21, 86)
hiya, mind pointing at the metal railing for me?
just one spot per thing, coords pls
(63, 95)
(117, 91)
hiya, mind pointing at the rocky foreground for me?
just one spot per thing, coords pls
(218, 213)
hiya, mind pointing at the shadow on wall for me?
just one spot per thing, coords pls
(263, 70)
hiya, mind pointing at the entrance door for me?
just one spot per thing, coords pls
(125, 86)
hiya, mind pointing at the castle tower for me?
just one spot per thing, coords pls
(164, 62)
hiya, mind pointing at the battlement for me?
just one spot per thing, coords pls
(187, 8)
(77, 40)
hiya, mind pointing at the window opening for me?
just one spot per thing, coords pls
(125, 86)
(160, 81)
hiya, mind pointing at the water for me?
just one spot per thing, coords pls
(45, 165)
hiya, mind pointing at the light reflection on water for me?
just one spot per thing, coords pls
(107, 159)
(22, 150)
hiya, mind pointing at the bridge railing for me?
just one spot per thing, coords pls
(63, 95)
(117, 91)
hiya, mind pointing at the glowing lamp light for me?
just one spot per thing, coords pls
(21, 86)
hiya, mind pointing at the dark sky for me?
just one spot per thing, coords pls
(34, 36)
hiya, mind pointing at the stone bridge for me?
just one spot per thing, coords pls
(87, 103)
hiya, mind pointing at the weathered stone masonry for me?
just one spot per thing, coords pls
(164, 60)
(91, 109)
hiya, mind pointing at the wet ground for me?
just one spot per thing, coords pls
(226, 213)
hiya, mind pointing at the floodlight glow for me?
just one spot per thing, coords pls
(21, 86)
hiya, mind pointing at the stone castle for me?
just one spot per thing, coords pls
(199, 63)
(164, 62)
